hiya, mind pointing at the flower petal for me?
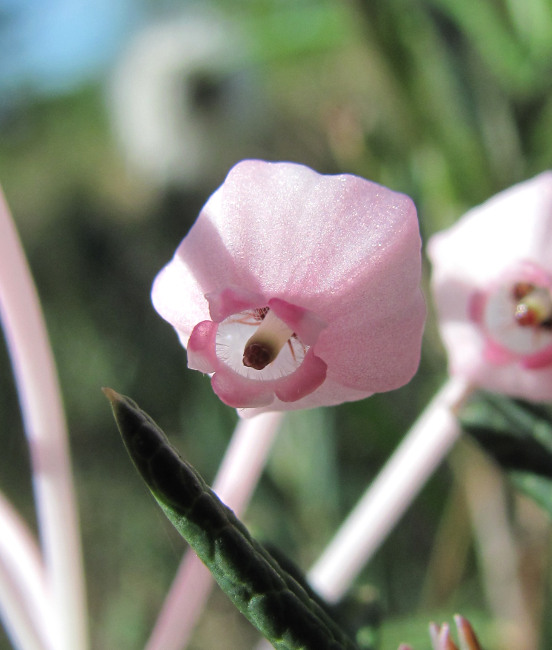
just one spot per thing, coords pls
(178, 298)
(541, 359)
(466, 634)
(239, 392)
(232, 300)
(306, 379)
(378, 354)
(201, 347)
(329, 393)
(304, 323)
(512, 226)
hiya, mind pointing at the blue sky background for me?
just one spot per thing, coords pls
(52, 46)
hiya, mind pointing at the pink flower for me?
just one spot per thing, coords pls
(441, 638)
(295, 290)
(492, 283)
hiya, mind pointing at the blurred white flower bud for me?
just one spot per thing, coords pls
(186, 102)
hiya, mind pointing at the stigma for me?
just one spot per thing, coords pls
(264, 346)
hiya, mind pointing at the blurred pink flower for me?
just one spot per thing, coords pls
(441, 637)
(295, 290)
(492, 284)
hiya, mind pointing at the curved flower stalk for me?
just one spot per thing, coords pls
(295, 290)
(492, 284)
(45, 428)
(392, 491)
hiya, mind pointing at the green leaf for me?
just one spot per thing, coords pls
(537, 487)
(284, 611)
(518, 435)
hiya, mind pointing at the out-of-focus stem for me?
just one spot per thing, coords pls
(18, 623)
(386, 499)
(497, 551)
(234, 484)
(45, 426)
(24, 600)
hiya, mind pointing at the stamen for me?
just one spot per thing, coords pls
(534, 308)
(265, 345)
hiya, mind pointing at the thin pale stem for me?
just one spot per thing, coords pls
(46, 431)
(496, 548)
(24, 600)
(386, 499)
(235, 482)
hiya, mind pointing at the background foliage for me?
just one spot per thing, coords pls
(448, 101)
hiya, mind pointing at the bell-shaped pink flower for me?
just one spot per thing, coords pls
(492, 284)
(295, 290)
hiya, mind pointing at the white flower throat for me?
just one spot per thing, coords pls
(534, 307)
(519, 317)
(269, 351)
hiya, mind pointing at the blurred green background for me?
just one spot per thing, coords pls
(117, 121)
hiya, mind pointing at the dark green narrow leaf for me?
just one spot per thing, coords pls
(518, 436)
(359, 611)
(270, 598)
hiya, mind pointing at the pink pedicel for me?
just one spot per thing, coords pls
(295, 290)
(492, 284)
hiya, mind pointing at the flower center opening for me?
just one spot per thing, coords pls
(534, 306)
(258, 345)
(519, 317)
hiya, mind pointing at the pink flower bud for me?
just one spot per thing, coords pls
(295, 290)
(492, 284)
